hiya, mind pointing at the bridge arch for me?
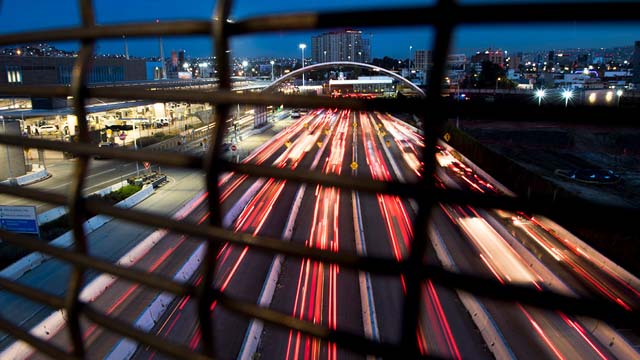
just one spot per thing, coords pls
(332, 64)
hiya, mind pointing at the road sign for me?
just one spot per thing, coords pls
(122, 136)
(20, 219)
(354, 165)
(447, 137)
(146, 164)
(234, 147)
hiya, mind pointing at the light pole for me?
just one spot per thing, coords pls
(497, 80)
(135, 145)
(360, 56)
(272, 63)
(302, 47)
(540, 94)
(619, 93)
(567, 94)
(409, 62)
(164, 68)
(325, 55)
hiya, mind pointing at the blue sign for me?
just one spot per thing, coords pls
(19, 219)
(19, 225)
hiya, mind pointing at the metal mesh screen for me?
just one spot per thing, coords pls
(444, 16)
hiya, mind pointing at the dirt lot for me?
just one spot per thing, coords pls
(544, 148)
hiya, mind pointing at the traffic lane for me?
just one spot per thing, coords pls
(558, 268)
(470, 344)
(110, 242)
(52, 277)
(274, 157)
(115, 299)
(600, 282)
(125, 300)
(275, 341)
(406, 150)
(565, 260)
(507, 317)
(550, 335)
(243, 280)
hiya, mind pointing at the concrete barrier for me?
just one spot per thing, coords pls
(57, 212)
(40, 174)
(489, 330)
(52, 214)
(592, 254)
(125, 348)
(29, 262)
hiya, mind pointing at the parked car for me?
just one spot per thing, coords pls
(47, 129)
(161, 122)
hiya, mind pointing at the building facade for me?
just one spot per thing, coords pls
(52, 70)
(347, 45)
(422, 59)
(635, 63)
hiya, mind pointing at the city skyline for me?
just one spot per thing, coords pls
(394, 43)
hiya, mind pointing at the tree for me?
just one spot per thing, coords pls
(386, 63)
(489, 75)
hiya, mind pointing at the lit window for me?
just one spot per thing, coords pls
(14, 74)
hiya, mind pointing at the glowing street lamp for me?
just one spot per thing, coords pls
(302, 47)
(272, 63)
(567, 95)
(619, 94)
(540, 94)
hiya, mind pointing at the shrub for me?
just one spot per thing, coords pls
(122, 193)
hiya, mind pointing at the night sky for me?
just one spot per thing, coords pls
(22, 15)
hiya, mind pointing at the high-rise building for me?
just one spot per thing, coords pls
(347, 45)
(422, 59)
(635, 63)
(494, 56)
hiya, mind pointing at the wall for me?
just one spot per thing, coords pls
(12, 165)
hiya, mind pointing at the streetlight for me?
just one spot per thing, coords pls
(497, 80)
(619, 94)
(325, 55)
(540, 94)
(409, 63)
(272, 62)
(360, 56)
(302, 47)
(567, 94)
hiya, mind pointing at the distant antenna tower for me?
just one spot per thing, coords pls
(126, 47)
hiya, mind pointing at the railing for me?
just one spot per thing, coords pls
(444, 16)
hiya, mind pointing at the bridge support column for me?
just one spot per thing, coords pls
(260, 116)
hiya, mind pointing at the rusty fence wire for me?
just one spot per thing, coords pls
(444, 16)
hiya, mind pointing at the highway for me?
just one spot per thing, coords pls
(512, 248)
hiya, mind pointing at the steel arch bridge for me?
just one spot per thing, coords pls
(332, 64)
(261, 116)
